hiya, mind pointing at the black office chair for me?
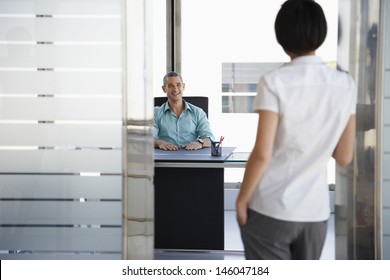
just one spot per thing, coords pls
(199, 101)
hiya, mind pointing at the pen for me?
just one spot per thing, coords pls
(220, 142)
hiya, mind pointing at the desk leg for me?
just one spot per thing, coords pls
(189, 208)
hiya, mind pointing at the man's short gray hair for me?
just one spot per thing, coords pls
(171, 74)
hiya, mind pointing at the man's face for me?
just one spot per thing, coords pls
(174, 88)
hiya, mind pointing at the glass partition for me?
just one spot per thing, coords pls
(76, 152)
(60, 126)
(385, 176)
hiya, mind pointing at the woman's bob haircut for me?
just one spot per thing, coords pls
(300, 26)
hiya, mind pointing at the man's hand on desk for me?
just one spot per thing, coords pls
(198, 144)
(193, 146)
(162, 145)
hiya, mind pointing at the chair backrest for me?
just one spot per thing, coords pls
(200, 101)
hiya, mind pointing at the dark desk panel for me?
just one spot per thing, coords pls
(189, 201)
(189, 208)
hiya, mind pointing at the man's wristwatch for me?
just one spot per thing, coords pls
(200, 141)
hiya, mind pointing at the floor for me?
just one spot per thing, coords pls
(234, 248)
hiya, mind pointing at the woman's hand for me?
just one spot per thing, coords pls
(242, 211)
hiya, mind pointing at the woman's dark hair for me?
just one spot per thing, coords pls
(300, 26)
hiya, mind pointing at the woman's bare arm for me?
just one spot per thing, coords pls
(257, 162)
(343, 153)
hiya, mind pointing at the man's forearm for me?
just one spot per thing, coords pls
(206, 142)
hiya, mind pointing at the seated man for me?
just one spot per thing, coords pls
(177, 123)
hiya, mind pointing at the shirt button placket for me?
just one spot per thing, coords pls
(178, 131)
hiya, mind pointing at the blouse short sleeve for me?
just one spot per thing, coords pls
(265, 99)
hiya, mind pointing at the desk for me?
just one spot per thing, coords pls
(189, 199)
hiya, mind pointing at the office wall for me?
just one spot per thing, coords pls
(60, 129)
(386, 135)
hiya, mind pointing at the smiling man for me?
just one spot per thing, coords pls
(177, 123)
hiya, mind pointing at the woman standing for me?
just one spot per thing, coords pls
(306, 115)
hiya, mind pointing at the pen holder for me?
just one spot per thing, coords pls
(216, 149)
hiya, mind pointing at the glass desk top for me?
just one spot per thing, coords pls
(234, 160)
(238, 157)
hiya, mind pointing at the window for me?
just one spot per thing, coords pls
(226, 46)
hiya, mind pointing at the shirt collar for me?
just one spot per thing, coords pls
(166, 106)
(307, 59)
(186, 106)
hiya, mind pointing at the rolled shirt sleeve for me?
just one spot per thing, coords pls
(265, 99)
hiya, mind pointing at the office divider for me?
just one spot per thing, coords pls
(60, 129)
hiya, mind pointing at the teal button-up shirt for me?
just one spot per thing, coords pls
(191, 124)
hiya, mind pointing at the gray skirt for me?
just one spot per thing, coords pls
(266, 238)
